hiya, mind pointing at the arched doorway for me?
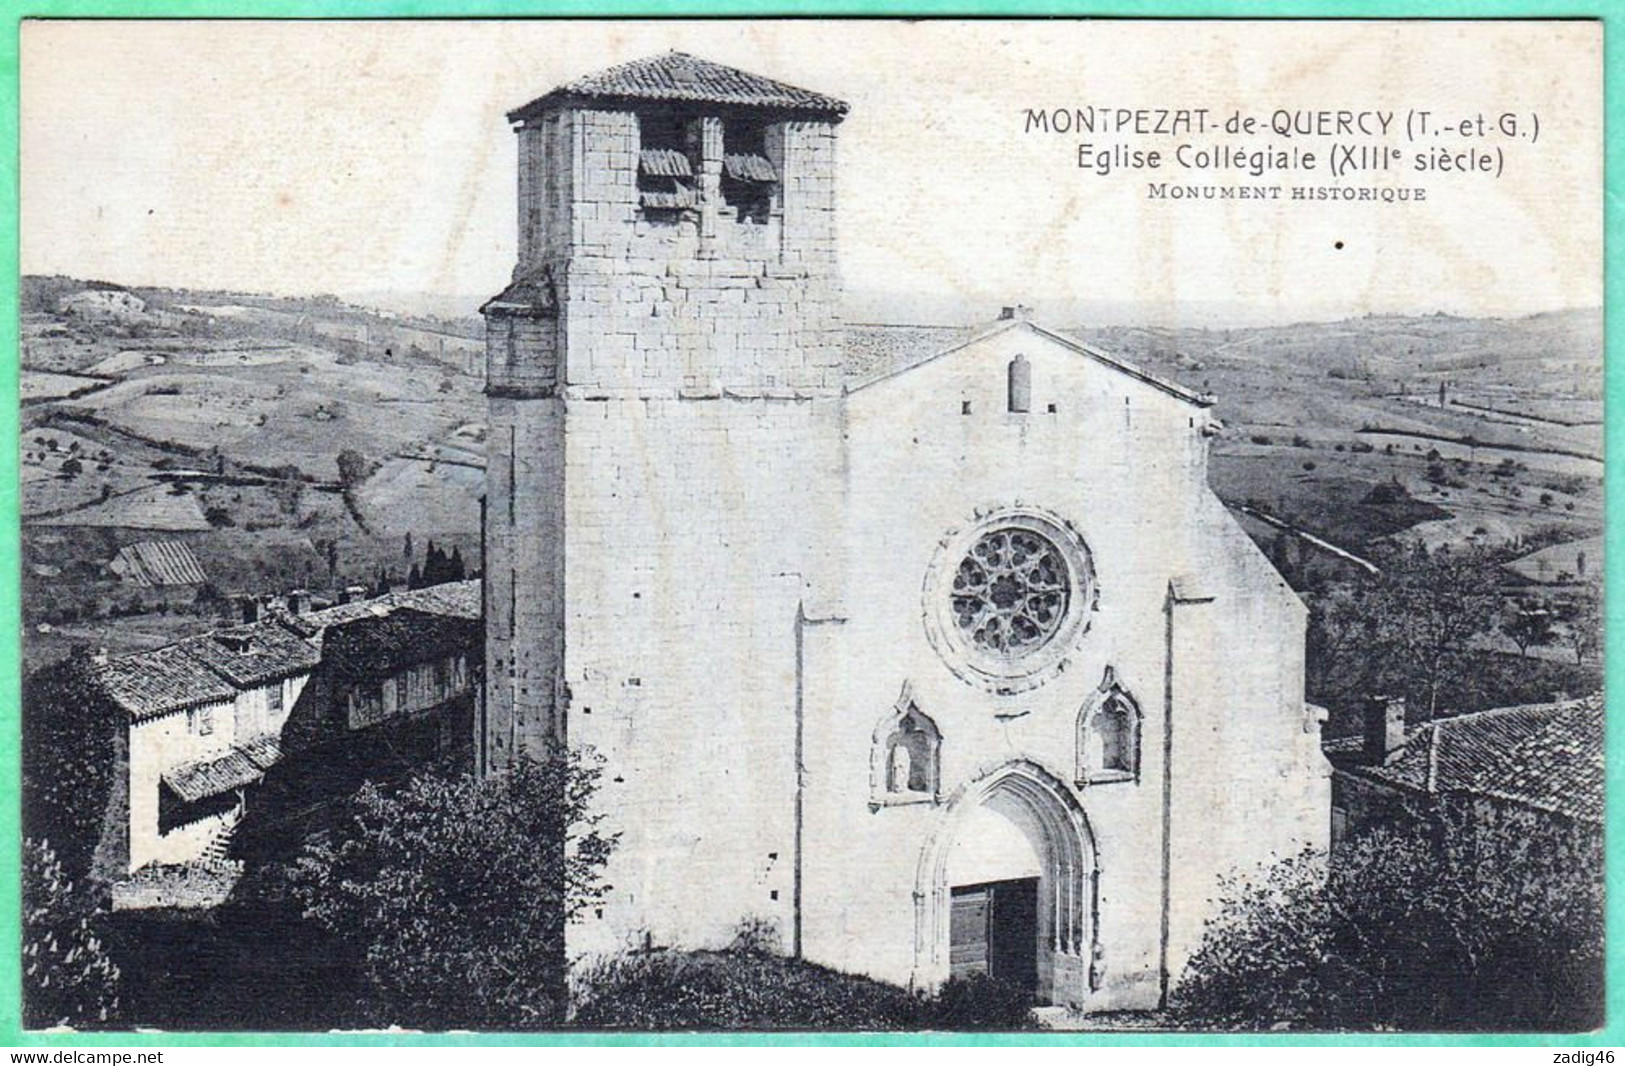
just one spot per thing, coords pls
(1007, 886)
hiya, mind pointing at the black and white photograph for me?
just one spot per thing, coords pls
(812, 526)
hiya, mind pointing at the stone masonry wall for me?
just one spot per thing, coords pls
(657, 305)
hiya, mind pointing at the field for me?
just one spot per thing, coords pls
(1319, 416)
(219, 423)
(218, 418)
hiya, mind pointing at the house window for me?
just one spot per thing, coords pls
(905, 766)
(200, 721)
(273, 699)
(1109, 735)
(400, 694)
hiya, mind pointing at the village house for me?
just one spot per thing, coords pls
(205, 718)
(941, 662)
(1544, 759)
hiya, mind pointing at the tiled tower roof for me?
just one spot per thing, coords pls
(678, 76)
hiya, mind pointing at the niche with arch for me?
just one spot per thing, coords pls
(905, 766)
(1109, 734)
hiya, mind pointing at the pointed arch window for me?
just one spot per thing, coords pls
(905, 766)
(1109, 735)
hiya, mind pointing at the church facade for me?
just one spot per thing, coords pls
(953, 665)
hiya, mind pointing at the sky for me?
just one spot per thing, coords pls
(366, 158)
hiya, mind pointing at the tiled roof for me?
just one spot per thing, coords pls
(525, 296)
(375, 647)
(210, 777)
(460, 599)
(161, 681)
(212, 668)
(679, 77)
(1557, 767)
(264, 751)
(255, 654)
(1545, 755)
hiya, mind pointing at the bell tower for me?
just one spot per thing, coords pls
(663, 367)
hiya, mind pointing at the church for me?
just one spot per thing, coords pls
(932, 659)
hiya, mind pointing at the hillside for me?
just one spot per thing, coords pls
(217, 419)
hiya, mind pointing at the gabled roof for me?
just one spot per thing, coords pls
(256, 654)
(152, 683)
(886, 368)
(1548, 756)
(212, 668)
(679, 77)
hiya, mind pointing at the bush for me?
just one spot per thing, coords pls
(1259, 438)
(733, 990)
(977, 1002)
(455, 891)
(750, 989)
(1456, 921)
(68, 977)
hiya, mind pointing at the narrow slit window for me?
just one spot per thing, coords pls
(1021, 385)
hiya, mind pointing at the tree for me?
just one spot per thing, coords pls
(1432, 607)
(68, 976)
(72, 468)
(1460, 919)
(455, 891)
(1581, 616)
(1529, 625)
(354, 468)
(406, 550)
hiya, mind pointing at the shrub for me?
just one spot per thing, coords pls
(977, 1002)
(656, 989)
(733, 990)
(455, 891)
(1454, 921)
(68, 977)
(1259, 438)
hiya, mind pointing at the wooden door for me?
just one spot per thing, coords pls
(993, 929)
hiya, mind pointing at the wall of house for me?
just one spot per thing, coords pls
(421, 687)
(164, 743)
(160, 744)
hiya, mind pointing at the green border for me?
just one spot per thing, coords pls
(1610, 12)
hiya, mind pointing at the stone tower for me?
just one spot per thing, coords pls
(664, 450)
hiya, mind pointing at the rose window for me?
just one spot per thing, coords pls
(1010, 592)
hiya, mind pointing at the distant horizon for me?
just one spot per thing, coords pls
(862, 308)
